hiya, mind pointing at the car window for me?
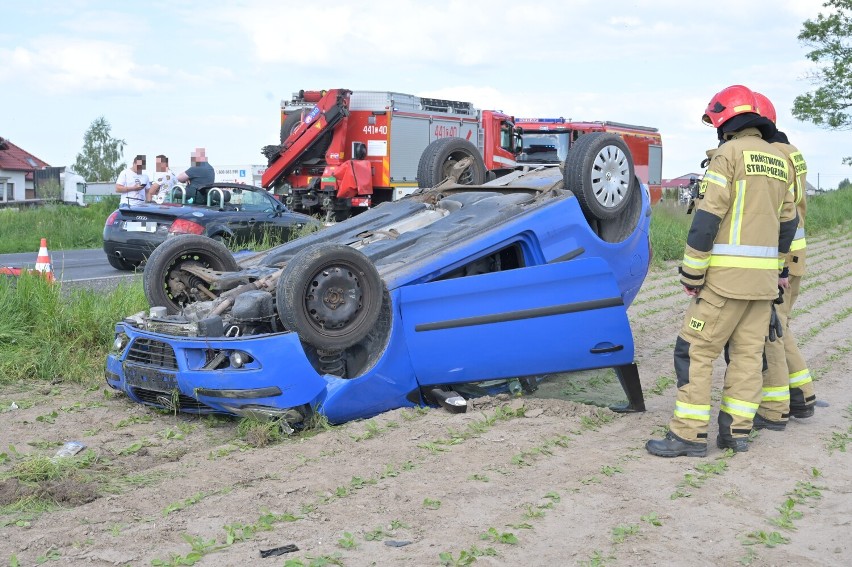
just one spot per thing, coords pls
(252, 201)
(508, 258)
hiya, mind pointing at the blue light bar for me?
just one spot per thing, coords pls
(547, 120)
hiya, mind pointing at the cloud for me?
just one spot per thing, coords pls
(73, 66)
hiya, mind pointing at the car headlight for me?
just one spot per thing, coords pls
(239, 359)
(120, 343)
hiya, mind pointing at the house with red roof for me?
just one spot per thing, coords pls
(682, 181)
(17, 172)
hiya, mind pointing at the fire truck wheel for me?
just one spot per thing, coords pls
(330, 295)
(441, 155)
(599, 170)
(318, 149)
(290, 124)
(168, 285)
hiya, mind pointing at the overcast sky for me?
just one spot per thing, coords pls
(170, 76)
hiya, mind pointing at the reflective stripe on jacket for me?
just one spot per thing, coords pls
(796, 258)
(744, 222)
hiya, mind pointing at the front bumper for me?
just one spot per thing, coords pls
(197, 374)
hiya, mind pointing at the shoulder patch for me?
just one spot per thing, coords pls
(799, 163)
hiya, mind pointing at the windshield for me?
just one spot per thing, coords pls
(544, 147)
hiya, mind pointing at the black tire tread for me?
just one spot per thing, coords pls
(577, 176)
(431, 164)
(299, 272)
(156, 268)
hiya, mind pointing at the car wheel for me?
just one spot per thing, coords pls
(599, 170)
(120, 264)
(330, 295)
(168, 285)
(440, 156)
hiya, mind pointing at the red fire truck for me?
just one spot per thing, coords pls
(342, 150)
(547, 141)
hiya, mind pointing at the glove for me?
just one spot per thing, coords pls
(775, 329)
(780, 299)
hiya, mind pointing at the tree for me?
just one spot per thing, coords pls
(100, 158)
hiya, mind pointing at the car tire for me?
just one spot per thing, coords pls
(120, 264)
(599, 171)
(441, 155)
(165, 284)
(330, 295)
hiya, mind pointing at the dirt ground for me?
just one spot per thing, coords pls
(535, 480)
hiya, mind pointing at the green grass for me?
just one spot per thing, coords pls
(828, 210)
(669, 226)
(47, 334)
(64, 226)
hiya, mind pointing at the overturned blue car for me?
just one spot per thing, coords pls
(450, 292)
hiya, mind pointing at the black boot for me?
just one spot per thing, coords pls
(738, 444)
(802, 412)
(674, 446)
(761, 422)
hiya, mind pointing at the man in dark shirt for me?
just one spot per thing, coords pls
(200, 173)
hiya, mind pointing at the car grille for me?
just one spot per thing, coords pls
(185, 403)
(152, 353)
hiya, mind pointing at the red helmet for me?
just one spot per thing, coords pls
(765, 107)
(727, 103)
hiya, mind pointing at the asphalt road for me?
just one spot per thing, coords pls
(72, 266)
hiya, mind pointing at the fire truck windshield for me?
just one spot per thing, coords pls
(550, 147)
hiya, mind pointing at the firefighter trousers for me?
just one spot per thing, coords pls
(711, 321)
(787, 382)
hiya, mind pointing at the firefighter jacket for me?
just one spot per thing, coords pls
(796, 258)
(745, 220)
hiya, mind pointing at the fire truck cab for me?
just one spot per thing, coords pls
(547, 141)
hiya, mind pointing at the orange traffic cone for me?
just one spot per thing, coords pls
(43, 261)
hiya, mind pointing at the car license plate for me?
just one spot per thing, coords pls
(140, 226)
(149, 378)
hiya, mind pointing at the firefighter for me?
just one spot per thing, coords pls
(742, 229)
(787, 385)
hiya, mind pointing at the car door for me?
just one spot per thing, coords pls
(526, 321)
(261, 215)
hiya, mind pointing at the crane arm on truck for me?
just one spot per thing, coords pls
(329, 111)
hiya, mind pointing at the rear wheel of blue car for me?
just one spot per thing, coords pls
(599, 170)
(330, 295)
(167, 281)
(439, 158)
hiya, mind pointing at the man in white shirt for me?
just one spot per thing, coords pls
(132, 183)
(164, 181)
